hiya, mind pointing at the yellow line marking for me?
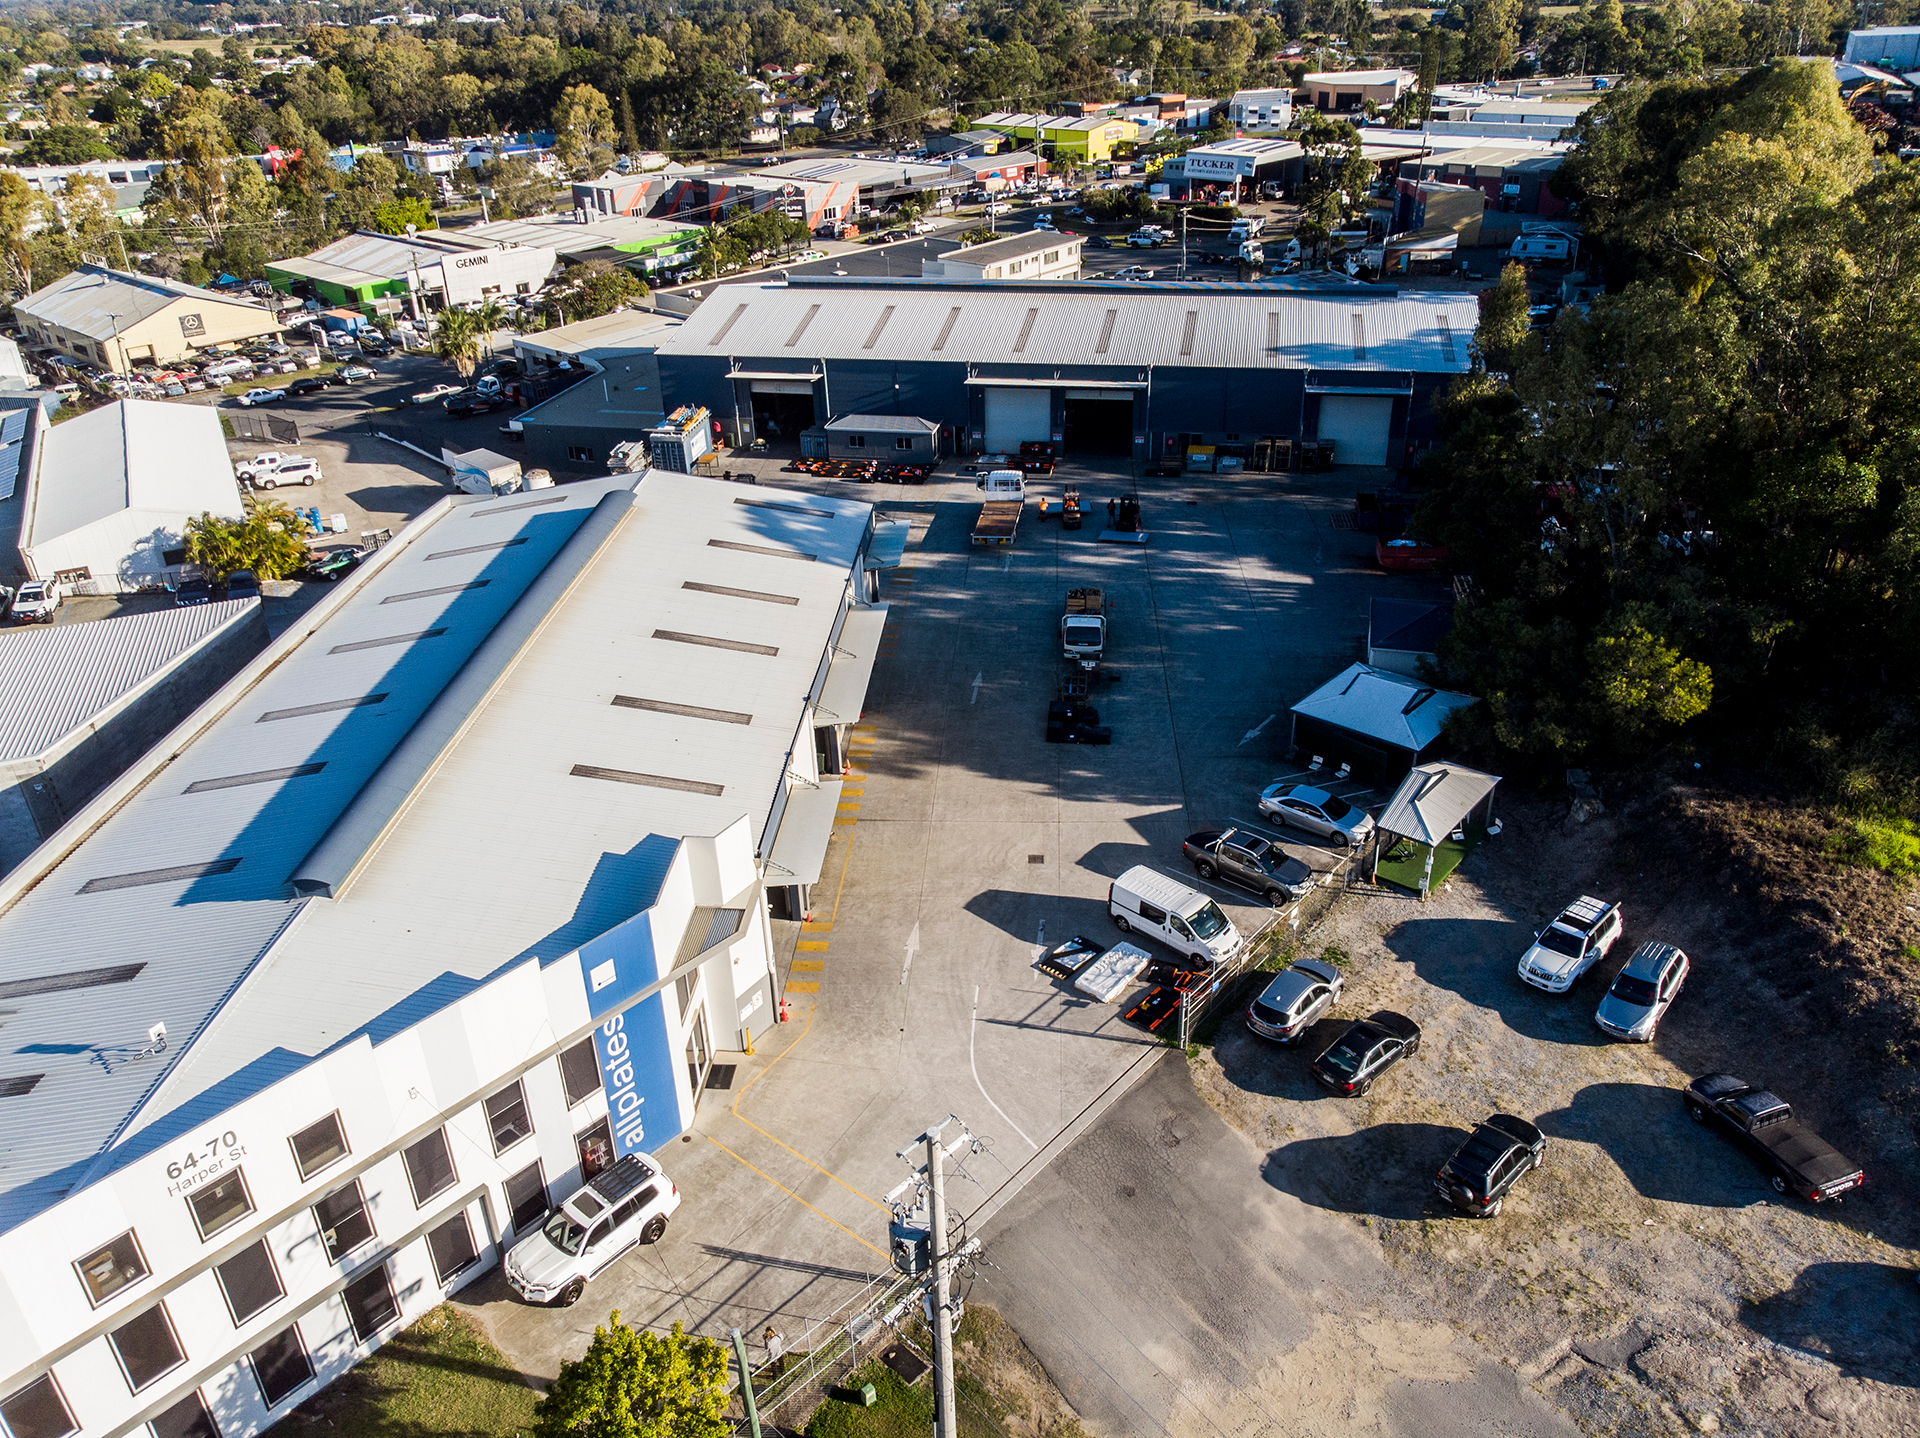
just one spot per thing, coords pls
(807, 988)
(814, 944)
(808, 966)
(796, 1197)
(811, 927)
(838, 822)
(848, 809)
(859, 792)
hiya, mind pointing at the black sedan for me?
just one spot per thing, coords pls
(468, 402)
(309, 384)
(1375, 1044)
(1489, 1163)
(1250, 861)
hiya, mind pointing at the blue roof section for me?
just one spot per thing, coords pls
(179, 891)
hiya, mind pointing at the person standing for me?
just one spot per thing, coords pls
(1111, 506)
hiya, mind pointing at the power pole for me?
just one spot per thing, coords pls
(1183, 240)
(918, 1251)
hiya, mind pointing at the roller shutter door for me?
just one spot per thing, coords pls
(1358, 425)
(1014, 415)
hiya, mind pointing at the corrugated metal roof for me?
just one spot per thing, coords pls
(1010, 247)
(59, 677)
(94, 302)
(1432, 800)
(134, 454)
(1383, 705)
(1409, 331)
(505, 852)
(566, 235)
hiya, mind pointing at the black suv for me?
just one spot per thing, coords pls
(1351, 1063)
(1489, 1163)
(376, 344)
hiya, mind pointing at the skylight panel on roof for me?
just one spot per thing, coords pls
(766, 549)
(441, 589)
(650, 781)
(140, 878)
(707, 641)
(684, 711)
(485, 510)
(787, 508)
(383, 643)
(731, 593)
(258, 776)
(77, 979)
(331, 706)
(479, 548)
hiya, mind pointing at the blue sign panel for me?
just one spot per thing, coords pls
(632, 1039)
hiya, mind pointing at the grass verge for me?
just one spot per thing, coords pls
(438, 1377)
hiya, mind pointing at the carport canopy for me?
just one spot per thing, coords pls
(1433, 801)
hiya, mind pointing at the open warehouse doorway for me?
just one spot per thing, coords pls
(1099, 422)
(782, 410)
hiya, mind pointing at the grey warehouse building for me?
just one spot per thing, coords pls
(1113, 368)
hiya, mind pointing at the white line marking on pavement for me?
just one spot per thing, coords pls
(976, 1071)
(1254, 732)
(913, 944)
(977, 680)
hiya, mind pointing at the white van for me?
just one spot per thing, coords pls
(1184, 919)
(1542, 247)
(627, 1205)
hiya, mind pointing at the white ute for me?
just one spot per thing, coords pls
(1573, 943)
(626, 1206)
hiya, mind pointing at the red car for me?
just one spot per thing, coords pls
(1409, 555)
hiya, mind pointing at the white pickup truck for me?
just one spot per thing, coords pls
(1083, 628)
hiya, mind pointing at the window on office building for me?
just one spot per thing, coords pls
(451, 1245)
(250, 1282)
(186, 1419)
(580, 453)
(112, 1267)
(856, 441)
(429, 1166)
(527, 1197)
(370, 1303)
(344, 1221)
(580, 1071)
(146, 1347)
(219, 1206)
(318, 1145)
(507, 1117)
(280, 1365)
(38, 1411)
(904, 442)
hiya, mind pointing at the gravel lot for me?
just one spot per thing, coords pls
(1646, 1279)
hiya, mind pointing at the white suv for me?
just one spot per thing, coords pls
(626, 1206)
(36, 601)
(270, 471)
(1573, 943)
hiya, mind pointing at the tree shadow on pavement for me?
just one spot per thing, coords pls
(1645, 1130)
(1384, 1171)
(1478, 958)
(1860, 1316)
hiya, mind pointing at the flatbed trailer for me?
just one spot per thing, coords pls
(999, 521)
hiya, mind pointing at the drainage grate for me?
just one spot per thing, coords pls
(699, 588)
(720, 1076)
(259, 776)
(650, 781)
(24, 1084)
(706, 641)
(685, 711)
(143, 877)
(443, 589)
(1036, 858)
(383, 643)
(478, 548)
(60, 983)
(761, 549)
(787, 508)
(327, 708)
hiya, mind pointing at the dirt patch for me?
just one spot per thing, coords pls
(1646, 1278)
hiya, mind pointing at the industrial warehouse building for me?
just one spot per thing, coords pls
(117, 320)
(328, 998)
(377, 273)
(1126, 369)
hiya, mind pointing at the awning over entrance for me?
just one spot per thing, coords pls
(998, 383)
(889, 544)
(800, 848)
(802, 377)
(845, 692)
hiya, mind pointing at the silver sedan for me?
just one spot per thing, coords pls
(1317, 812)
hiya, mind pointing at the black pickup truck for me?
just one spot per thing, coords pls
(1797, 1159)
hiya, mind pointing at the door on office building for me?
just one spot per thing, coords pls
(1359, 426)
(699, 1050)
(1017, 415)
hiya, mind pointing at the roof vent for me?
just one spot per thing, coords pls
(1420, 696)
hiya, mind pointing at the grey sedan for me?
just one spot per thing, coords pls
(1317, 812)
(1296, 998)
(1643, 991)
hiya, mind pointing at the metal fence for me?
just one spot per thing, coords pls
(250, 424)
(829, 1350)
(1224, 979)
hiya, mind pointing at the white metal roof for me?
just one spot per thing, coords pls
(564, 234)
(856, 172)
(1383, 705)
(98, 303)
(167, 896)
(621, 330)
(134, 454)
(1083, 323)
(1432, 800)
(60, 677)
(1335, 78)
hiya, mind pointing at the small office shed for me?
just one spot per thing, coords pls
(1434, 808)
(1378, 722)
(1402, 632)
(889, 438)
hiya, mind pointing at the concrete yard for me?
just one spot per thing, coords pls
(966, 842)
